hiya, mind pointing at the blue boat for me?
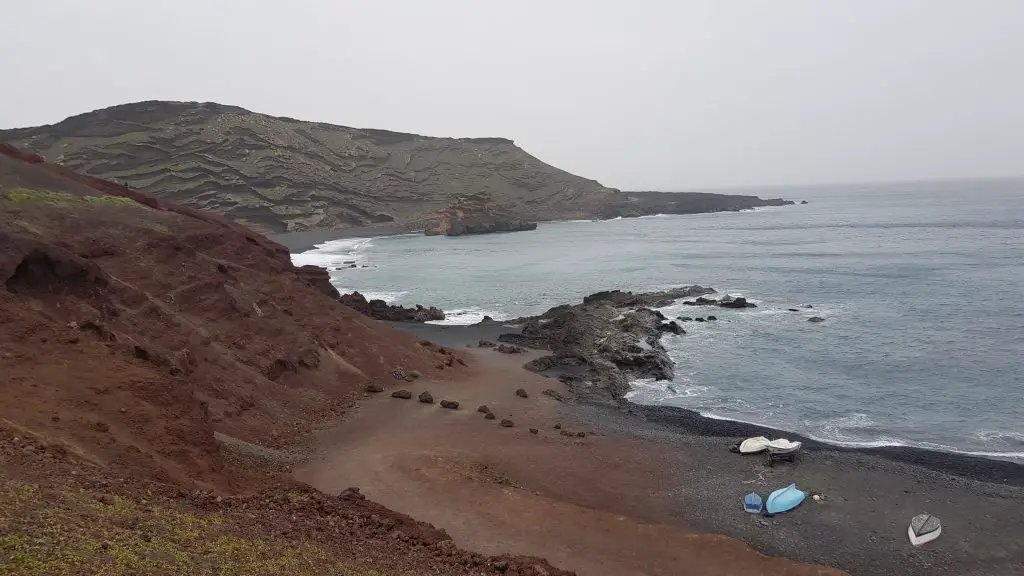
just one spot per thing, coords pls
(752, 503)
(784, 499)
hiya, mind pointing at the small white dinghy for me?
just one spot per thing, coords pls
(783, 446)
(923, 529)
(754, 445)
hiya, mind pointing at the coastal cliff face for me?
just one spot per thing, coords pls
(476, 214)
(283, 175)
(278, 175)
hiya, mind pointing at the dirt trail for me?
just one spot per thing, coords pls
(595, 504)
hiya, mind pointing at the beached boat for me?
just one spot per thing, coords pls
(924, 528)
(783, 446)
(752, 503)
(754, 445)
(784, 499)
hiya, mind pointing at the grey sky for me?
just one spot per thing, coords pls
(639, 95)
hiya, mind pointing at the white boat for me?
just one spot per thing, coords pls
(754, 445)
(783, 446)
(924, 528)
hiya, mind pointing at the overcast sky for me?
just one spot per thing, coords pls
(665, 95)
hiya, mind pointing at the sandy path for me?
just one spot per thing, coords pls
(597, 505)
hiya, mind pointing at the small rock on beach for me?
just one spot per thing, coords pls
(522, 393)
(507, 423)
(426, 397)
(403, 394)
(450, 404)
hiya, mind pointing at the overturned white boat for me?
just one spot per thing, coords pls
(783, 446)
(923, 529)
(754, 445)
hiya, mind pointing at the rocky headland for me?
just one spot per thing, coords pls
(599, 346)
(281, 175)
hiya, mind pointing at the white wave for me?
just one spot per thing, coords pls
(990, 435)
(880, 442)
(467, 316)
(662, 390)
(336, 253)
(389, 297)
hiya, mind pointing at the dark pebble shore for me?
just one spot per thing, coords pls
(868, 494)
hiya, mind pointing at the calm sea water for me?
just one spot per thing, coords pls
(921, 285)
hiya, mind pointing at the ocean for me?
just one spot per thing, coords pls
(921, 286)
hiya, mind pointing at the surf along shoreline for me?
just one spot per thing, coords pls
(974, 466)
(686, 421)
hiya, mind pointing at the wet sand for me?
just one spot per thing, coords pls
(644, 494)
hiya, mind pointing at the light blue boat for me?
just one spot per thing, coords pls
(784, 499)
(752, 503)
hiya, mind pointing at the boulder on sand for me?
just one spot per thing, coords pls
(489, 416)
(426, 397)
(403, 394)
(483, 408)
(450, 404)
(374, 387)
(507, 423)
(522, 393)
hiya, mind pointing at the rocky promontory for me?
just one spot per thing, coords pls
(381, 310)
(599, 346)
(476, 214)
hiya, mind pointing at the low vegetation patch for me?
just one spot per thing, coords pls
(52, 198)
(70, 531)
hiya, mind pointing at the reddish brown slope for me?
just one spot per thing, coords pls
(131, 332)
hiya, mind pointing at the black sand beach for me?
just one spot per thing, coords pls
(868, 495)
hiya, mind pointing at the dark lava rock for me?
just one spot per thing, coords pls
(374, 387)
(737, 303)
(672, 327)
(426, 397)
(698, 319)
(792, 310)
(450, 404)
(554, 394)
(685, 319)
(815, 319)
(403, 394)
(489, 416)
(522, 393)
(712, 318)
(381, 310)
(507, 423)
(534, 431)
(803, 201)
(509, 349)
(483, 408)
(351, 494)
(701, 301)
(558, 426)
